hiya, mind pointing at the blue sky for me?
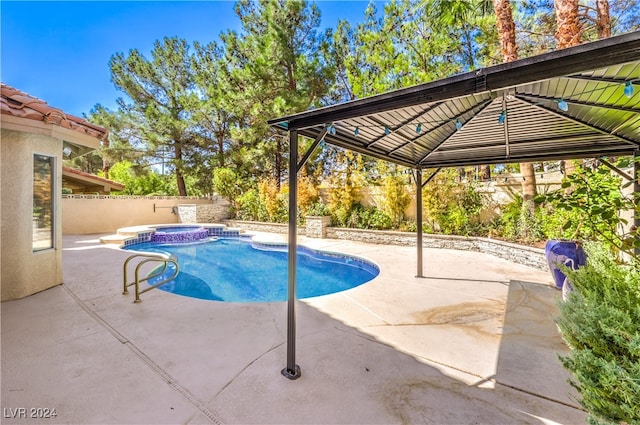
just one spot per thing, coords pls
(59, 51)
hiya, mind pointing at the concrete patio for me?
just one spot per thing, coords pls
(473, 342)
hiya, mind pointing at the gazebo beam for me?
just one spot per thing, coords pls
(616, 169)
(313, 146)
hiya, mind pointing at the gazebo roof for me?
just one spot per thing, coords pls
(570, 103)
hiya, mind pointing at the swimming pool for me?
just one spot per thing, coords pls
(238, 270)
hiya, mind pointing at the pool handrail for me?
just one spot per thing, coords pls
(148, 257)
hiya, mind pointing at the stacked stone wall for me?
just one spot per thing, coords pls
(186, 213)
(317, 226)
(258, 226)
(212, 213)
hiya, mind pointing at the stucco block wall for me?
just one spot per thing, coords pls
(89, 214)
(25, 272)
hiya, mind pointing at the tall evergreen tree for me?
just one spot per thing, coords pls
(603, 19)
(597, 19)
(406, 46)
(161, 90)
(275, 67)
(213, 120)
(123, 142)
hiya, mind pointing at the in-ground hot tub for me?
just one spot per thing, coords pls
(179, 234)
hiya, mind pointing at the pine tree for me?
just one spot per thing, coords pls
(161, 91)
(275, 66)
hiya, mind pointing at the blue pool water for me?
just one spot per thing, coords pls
(233, 270)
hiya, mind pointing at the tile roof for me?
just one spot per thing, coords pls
(19, 104)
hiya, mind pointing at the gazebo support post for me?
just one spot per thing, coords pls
(419, 221)
(292, 371)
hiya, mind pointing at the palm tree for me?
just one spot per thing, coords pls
(569, 29)
(603, 19)
(509, 49)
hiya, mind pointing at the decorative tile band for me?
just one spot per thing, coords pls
(180, 235)
(157, 197)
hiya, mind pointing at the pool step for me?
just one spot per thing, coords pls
(114, 239)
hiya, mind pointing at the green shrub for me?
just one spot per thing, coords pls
(140, 180)
(600, 322)
(225, 183)
(518, 224)
(588, 207)
(250, 207)
(370, 218)
(395, 197)
(450, 206)
(319, 208)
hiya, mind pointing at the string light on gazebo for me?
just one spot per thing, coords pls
(628, 89)
(562, 105)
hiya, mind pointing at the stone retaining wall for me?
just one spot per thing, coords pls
(520, 254)
(186, 213)
(317, 226)
(205, 213)
(212, 213)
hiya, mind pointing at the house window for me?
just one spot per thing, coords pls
(42, 202)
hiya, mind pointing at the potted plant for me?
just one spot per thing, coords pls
(587, 206)
(563, 253)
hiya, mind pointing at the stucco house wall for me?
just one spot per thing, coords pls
(24, 271)
(28, 126)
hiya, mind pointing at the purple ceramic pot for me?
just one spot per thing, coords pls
(563, 252)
